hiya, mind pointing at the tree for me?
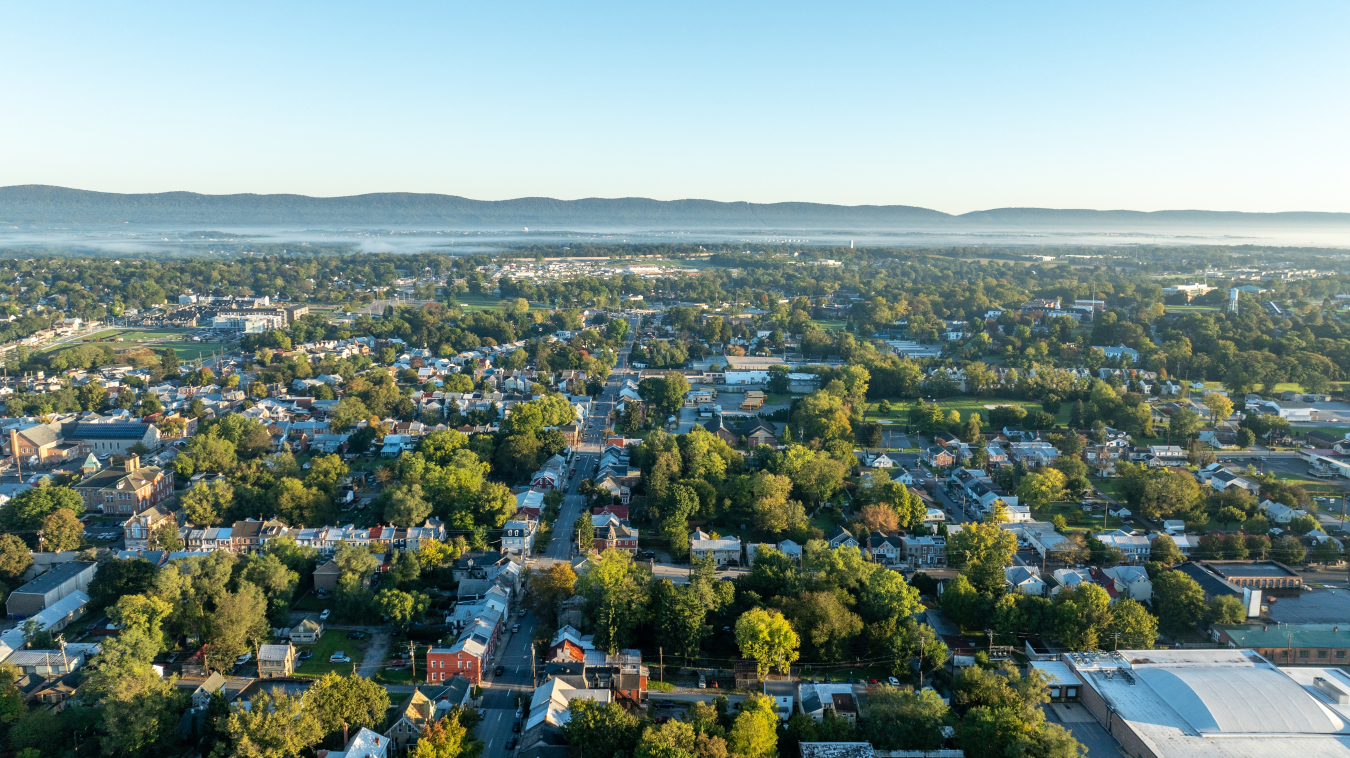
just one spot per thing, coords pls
(754, 733)
(118, 577)
(1184, 422)
(1225, 609)
(1303, 524)
(142, 613)
(971, 431)
(601, 729)
(15, 558)
(1042, 488)
(1288, 549)
(165, 537)
(615, 590)
(168, 362)
(981, 551)
(27, 511)
(326, 473)
(549, 588)
(276, 725)
(400, 607)
(1081, 616)
(900, 719)
(768, 638)
(1245, 438)
(275, 579)
(440, 739)
(406, 506)
(352, 701)
(878, 518)
(673, 739)
(238, 623)
(1220, 407)
(823, 622)
(140, 710)
(62, 530)
(348, 412)
(1132, 627)
(1164, 550)
(1179, 601)
(585, 531)
(205, 504)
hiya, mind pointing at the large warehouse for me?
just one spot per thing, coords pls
(1223, 703)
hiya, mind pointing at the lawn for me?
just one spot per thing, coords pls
(1073, 513)
(966, 405)
(1109, 487)
(329, 643)
(489, 303)
(191, 351)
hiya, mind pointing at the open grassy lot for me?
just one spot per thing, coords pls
(190, 351)
(831, 325)
(332, 641)
(1189, 308)
(489, 303)
(966, 405)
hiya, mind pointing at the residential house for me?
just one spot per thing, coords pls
(276, 660)
(1135, 547)
(1129, 581)
(326, 576)
(201, 697)
(924, 550)
(1024, 579)
(937, 456)
(471, 653)
(885, 548)
(1222, 480)
(308, 631)
(518, 536)
(722, 551)
(841, 537)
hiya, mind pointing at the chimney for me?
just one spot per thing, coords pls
(131, 463)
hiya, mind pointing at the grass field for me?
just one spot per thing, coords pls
(966, 405)
(831, 325)
(190, 351)
(1189, 308)
(489, 303)
(329, 643)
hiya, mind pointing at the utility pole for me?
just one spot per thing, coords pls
(534, 672)
(661, 662)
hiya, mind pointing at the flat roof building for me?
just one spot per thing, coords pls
(50, 588)
(1262, 574)
(1291, 644)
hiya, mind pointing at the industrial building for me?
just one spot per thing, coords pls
(50, 588)
(1225, 703)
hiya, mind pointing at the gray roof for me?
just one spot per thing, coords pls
(113, 431)
(54, 578)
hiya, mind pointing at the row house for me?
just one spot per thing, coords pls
(885, 548)
(613, 533)
(1033, 454)
(1135, 547)
(924, 550)
(470, 655)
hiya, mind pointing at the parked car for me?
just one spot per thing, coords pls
(702, 682)
(520, 712)
(511, 744)
(515, 628)
(339, 657)
(356, 635)
(893, 681)
(499, 671)
(245, 658)
(522, 613)
(515, 727)
(326, 612)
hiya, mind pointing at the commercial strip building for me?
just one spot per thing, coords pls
(1291, 644)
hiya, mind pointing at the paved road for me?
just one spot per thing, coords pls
(500, 693)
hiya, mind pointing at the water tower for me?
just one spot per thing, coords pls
(1233, 300)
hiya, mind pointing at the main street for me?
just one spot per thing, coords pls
(501, 693)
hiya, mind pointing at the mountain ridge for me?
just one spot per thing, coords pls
(46, 204)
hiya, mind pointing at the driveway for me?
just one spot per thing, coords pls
(376, 653)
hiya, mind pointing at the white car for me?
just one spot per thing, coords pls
(245, 658)
(339, 657)
(893, 681)
(324, 616)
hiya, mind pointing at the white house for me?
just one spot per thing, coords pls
(1131, 581)
(722, 551)
(1222, 480)
(1135, 547)
(1279, 513)
(1025, 579)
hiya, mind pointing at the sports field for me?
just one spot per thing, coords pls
(966, 405)
(489, 303)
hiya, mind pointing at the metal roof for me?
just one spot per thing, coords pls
(1290, 635)
(1240, 700)
(59, 575)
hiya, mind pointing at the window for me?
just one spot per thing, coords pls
(1321, 653)
(1303, 653)
(1340, 654)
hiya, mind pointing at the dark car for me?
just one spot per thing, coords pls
(356, 635)
(499, 671)
(511, 744)
(648, 554)
(515, 727)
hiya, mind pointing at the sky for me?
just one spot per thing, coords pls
(953, 106)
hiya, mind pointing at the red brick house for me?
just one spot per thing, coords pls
(470, 655)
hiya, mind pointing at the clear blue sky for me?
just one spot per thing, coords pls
(954, 106)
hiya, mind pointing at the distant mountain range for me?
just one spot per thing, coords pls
(42, 204)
